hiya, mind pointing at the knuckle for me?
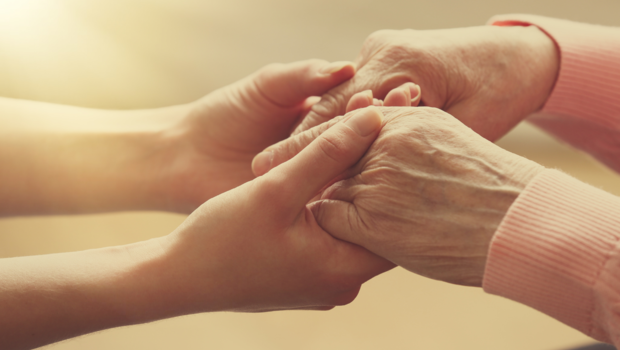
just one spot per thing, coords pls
(331, 105)
(380, 36)
(395, 51)
(333, 146)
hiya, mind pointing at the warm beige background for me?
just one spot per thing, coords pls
(147, 53)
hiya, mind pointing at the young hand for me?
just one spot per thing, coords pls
(428, 195)
(211, 148)
(255, 248)
(258, 247)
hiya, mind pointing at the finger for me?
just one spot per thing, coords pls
(284, 150)
(403, 96)
(416, 96)
(290, 84)
(330, 154)
(305, 308)
(360, 100)
(340, 219)
(332, 104)
(377, 102)
(334, 101)
(306, 106)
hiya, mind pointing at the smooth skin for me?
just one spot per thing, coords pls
(255, 248)
(489, 77)
(70, 160)
(428, 195)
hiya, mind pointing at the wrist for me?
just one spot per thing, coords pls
(539, 65)
(518, 172)
(153, 171)
(150, 284)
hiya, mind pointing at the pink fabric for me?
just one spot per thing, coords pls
(557, 250)
(584, 108)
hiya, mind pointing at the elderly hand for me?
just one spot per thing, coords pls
(254, 248)
(428, 195)
(258, 247)
(490, 78)
(209, 150)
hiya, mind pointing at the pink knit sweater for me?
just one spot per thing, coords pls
(558, 248)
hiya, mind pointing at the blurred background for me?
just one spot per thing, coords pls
(149, 53)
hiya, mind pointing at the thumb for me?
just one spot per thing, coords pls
(287, 85)
(332, 103)
(340, 219)
(336, 150)
(286, 149)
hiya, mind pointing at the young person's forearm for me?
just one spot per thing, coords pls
(48, 298)
(62, 160)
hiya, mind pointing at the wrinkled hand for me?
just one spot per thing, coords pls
(259, 248)
(490, 78)
(212, 146)
(428, 195)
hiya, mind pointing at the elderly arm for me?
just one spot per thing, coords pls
(584, 106)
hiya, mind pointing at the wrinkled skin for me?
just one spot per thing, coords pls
(259, 248)
(490, 78)
(428, 195)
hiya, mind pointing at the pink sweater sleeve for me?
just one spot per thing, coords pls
(557, 249)
(584, 106)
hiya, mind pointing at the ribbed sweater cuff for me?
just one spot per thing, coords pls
(588, 84)
(552, 250)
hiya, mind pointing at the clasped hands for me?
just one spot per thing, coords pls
(413, 181)
(390, 163)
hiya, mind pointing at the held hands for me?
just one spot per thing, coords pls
(490, 78)
(428, 195)
(212, 146)
(259, 248)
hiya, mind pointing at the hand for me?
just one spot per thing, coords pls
(408, 94)
(428, 195)
(258, 247)
(255, 248)
(211, 148)
(490, 78)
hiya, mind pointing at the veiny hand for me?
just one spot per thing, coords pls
(211, 148)
(490, 78)
(428, 195)
(259, 248)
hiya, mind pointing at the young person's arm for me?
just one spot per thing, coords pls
(60, 159)
(254, 248)
(65, 160)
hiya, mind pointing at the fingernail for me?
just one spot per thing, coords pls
(261, 164)
(334, 67)
(377, 102)
(366, 121)
(415, 91)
